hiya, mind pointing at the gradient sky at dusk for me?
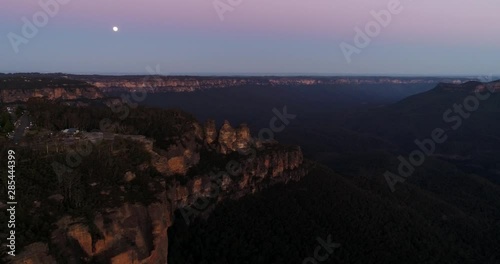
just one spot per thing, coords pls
(459, 37)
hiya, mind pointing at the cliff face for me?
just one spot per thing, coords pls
(190, 84)
(163, 84)
(138, 233)
(185, 84)
(71, 87)
(23, 95)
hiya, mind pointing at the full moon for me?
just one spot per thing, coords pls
(115, 29)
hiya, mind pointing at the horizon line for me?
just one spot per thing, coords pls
(266, 74)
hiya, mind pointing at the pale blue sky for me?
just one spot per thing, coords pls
(267, 37)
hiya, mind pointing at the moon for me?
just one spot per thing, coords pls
(115, 29)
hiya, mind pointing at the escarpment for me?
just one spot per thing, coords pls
(16, 89)
(21, 87)
(203, 164)
(56, 93)
(158, 83)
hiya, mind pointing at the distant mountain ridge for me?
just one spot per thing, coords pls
(470, 86)
(467, 113)
(58, 86)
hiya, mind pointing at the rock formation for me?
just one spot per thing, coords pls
(138, 233)
(62, 93)
(192, 83)
(210, 132)
(95, 86)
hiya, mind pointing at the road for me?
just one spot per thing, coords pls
(24, 121)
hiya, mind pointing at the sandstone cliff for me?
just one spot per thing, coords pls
(71, 87)
(22, 87)
(191, 83)
(62, 93)
(205, 164)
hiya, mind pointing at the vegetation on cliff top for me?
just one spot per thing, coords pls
(47, 192)
(98, 182)
(28, 82)
(161, 125)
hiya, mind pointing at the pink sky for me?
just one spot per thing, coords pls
(459, 23)
(457, 20)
